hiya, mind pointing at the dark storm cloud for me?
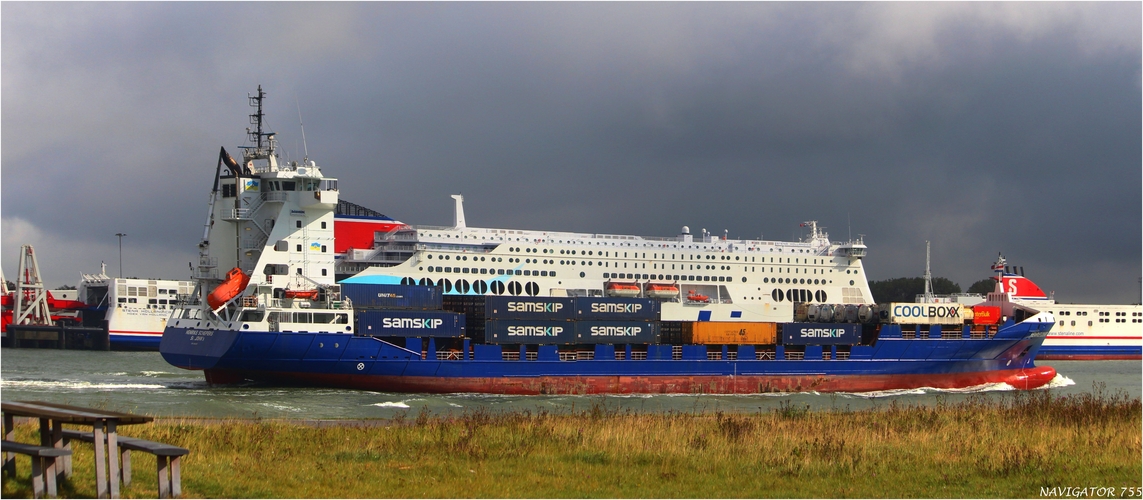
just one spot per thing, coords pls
(980, 127)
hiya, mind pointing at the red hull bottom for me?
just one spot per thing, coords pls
(1030, 378)
(1089, 357)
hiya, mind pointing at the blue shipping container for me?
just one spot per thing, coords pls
(616, 309)
(617, 332)
(517, 331)
(531, 308)
(821, 334)
(398, 323)
(370, 296)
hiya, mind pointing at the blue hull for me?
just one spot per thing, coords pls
(345, 360)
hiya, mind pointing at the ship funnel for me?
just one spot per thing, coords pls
(458, 216)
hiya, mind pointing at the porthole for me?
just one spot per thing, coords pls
(581, 274)
(497, 287)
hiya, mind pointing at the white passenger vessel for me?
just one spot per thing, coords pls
(700, 277)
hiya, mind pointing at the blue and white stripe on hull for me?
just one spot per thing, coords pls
(1090, 352)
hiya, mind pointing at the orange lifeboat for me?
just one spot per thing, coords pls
(615, 289)
(234, 284)
(302, 294)
(662, 291)
(693, 296)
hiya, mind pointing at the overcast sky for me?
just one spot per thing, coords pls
(981, 127)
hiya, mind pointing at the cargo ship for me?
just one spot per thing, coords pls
(1082, 331)
(465, 309)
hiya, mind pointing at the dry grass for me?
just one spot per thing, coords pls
(988, 446)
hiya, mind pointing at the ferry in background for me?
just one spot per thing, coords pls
(133, 311)
(1082, 331)
(696, 277)
(465, 309)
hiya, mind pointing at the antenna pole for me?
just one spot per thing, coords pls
(305, 149)
(928, 276)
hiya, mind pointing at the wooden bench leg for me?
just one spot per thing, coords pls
(59, 463)
(67, 459)
(125, 454)
(9, 435)
(100, 462)
(37, 477)
(112, 458)
(50, 471)
(164, 476)
(176, 486)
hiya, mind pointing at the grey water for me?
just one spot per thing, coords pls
(141, 382)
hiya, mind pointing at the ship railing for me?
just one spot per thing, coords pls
(274, 195)
(188, 299)
(254, 242)
(248, 301)
(205, 274)
(764, 354)
(451, 355)
(795, 355)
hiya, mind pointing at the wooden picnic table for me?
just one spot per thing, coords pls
(52, 416)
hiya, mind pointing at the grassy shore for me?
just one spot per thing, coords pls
(988, 446)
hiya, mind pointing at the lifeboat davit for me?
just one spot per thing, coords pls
(693, 296)
(662, 291)
(615, 289)
(234, 284)
(302, 294)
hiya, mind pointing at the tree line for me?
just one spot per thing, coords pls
(907, 289)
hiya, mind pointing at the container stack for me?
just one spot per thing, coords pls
(615, 320)
(529, 320)
(402, 311)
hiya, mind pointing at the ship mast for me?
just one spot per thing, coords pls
(928, 277)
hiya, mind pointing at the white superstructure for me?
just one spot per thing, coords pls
(699, 277)
(274, 222)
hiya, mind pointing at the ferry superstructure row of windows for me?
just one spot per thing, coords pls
(474, 254)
